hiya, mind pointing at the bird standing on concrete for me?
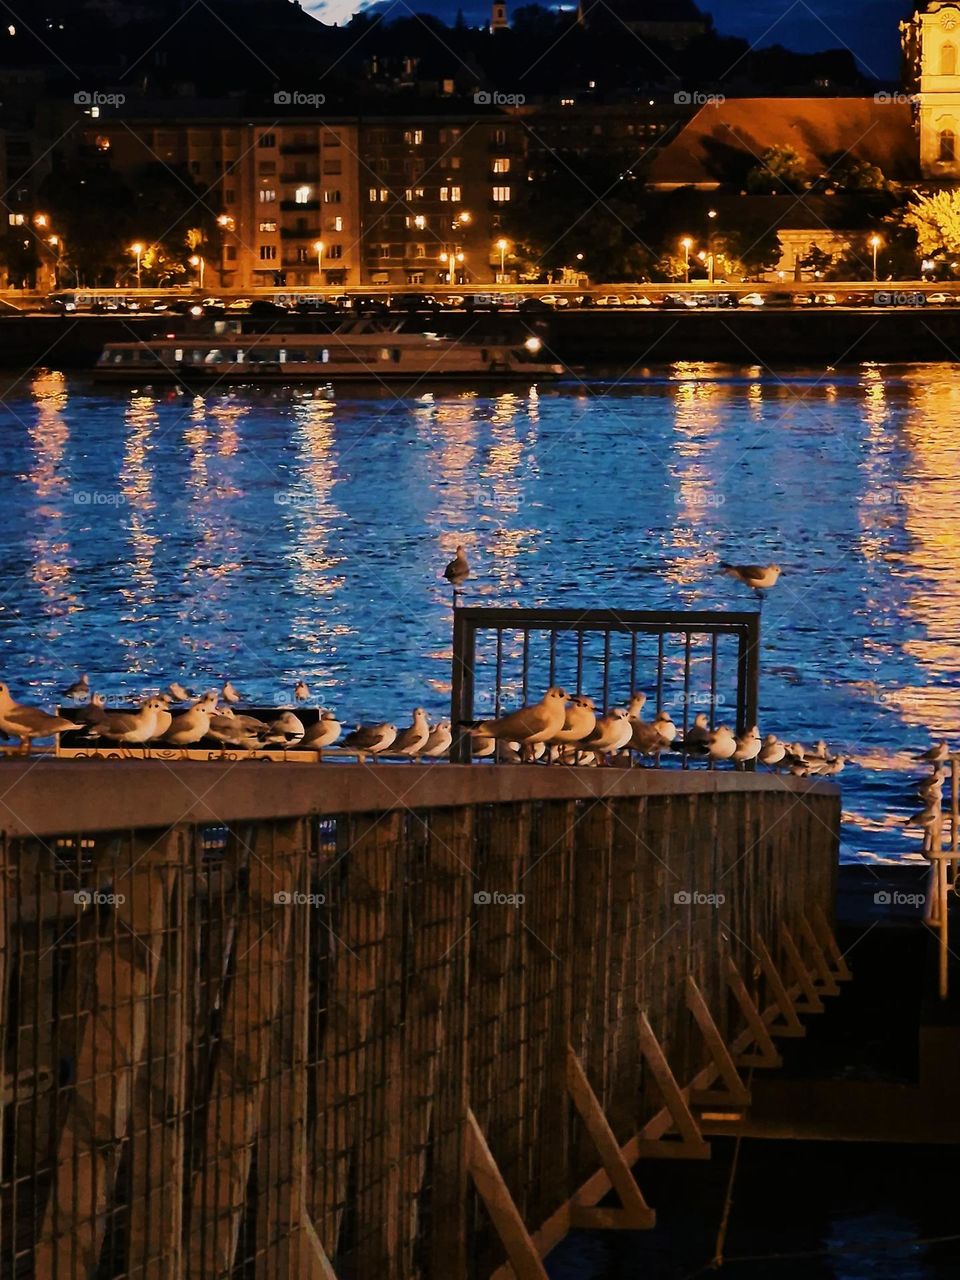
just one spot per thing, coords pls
(721, 744)
(772, 751)
(322, 733)
(133, 728)
(188, 728)
(286, 730)
(370, 739)
(438, 744)
(539, 722)
(27, 723)
(411, 741)
(748, 747)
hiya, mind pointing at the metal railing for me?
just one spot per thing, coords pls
(253, 1020)
(684, 661)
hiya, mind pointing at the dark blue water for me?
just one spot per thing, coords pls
(265, 536)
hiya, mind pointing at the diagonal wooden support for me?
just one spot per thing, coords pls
(789, 1024)
(691, 1145)
(635, 1213)
(316, 1264)
(825, 981)
(493, 1191)
(735, 1092)
(841, 970)
(765, 1053)
(811, 1002)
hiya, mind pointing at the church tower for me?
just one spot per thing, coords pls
(931, 46)
(498, 17)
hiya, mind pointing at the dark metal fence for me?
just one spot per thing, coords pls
(297, 1023)
(685, 662)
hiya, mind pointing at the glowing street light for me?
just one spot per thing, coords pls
(319, 246)
(875, 242)
(41, 220)
(137, 249)
(198, 262)
(503, 246)
(686, 244)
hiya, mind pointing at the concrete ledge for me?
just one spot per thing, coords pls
(50, 797)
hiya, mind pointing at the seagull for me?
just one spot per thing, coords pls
(300, 691)
(483, 747)
(131, 727)
(27, 723)
(695, 739)
(929, 818)
(232, 730)
(287, 730)
(759, 577)
(772, 751)
(936, 754)
(370, 739)
(636, 704)
(179, 693)
(164, 718)
(228, 693)
(721, 744)
(78, 690)
(748, 747)
(458, 570)
(933, 786)
(613, 732)
(189, 727)
(665, 727)
(411, 741)
(539, 722)
(438, 744)
(579, 721)
(323, 732)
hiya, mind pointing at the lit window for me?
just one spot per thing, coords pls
(455, 194)
(17, 219)
(501, 165)
(268, 226)
(302, 195)
(384, 195)
(413, 137)
(268, 252)
(335, 251)
(501, 195)
(331, 195)
(267, 195)
(372, 195)
(338, 223)
(444, 193)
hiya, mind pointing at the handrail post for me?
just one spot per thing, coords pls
(461, 684)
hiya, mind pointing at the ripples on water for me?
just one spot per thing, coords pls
(156, 534)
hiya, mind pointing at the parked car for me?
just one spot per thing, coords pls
(240, 304)
(939, 299)
(751, 300)
(801, 300)
(555, 299)
(635, 300)
(608, 300)
(825, 299)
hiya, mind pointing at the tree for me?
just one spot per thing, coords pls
(857, 175)
(936, 221)
(781, 169)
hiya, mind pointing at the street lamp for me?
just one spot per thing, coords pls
(56, 242)
(198, 262)
(503, 246)
(138, 250)
(686, 244)
(41, 220)
(319, 246)
(874, 243)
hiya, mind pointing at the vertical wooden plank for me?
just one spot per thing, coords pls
(155, 1232)
(263, 929)
(126, 964)
(368, 848)
(281, 1154)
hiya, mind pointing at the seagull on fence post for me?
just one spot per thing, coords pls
(457, 572)
(758, 577)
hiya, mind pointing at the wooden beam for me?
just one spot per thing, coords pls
(841, 970)
(811, 1002)
(500, 1205)
(735, 1092)
(635, 1213)
(764, 1052)
(691, 1145)
(788, 1024)
(826, 982)
(316, 1264)
(125, 964)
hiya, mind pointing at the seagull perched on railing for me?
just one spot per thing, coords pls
(370, 739)
(411, 741)
(748, 747)
(131, 727)
(457, 572)
(613, 732)
(936, 755)
(539, 722)
(438, 744)
(758, 577)
(323, 732)
(27, 723)
(190, 727)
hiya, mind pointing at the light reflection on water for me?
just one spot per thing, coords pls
(154, 535)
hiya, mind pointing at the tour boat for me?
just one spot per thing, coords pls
(347, 355)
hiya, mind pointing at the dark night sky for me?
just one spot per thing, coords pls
(868, 28)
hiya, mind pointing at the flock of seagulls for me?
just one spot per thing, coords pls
(930, 791)
(568, 729)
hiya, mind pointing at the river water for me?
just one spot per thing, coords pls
(151, 535)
